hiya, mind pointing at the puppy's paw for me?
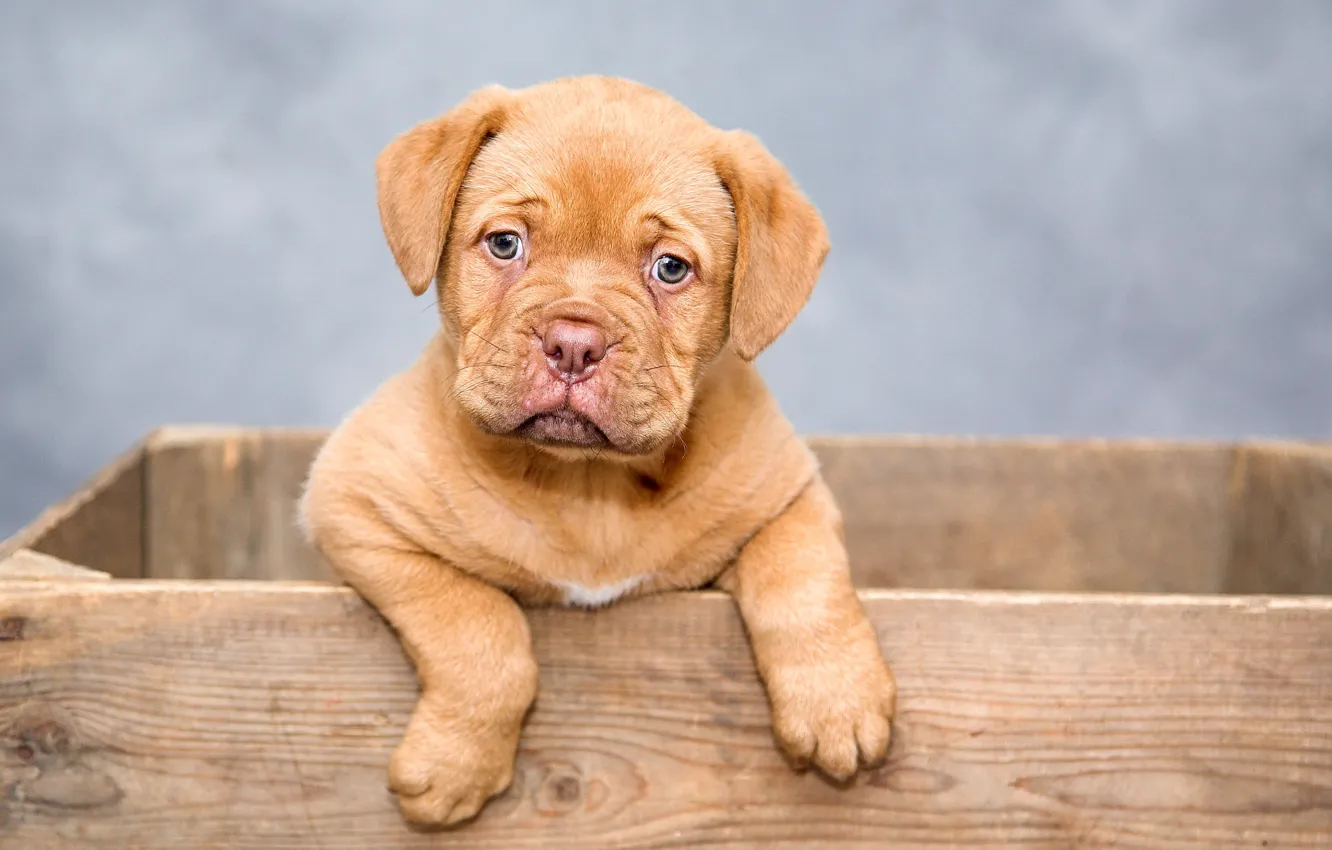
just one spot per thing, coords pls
(836, 713)
(443, 772)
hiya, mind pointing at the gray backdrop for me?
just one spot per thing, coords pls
(1078, 218)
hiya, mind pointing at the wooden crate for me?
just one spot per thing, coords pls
(1097, 644)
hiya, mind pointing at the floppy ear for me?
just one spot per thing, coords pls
(782, 243)
(418, 175)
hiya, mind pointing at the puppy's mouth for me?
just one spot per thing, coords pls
(563, 427)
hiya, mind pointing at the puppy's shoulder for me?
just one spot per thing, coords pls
(380, 453)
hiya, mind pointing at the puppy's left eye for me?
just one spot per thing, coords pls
(505, 246)
(670, 269)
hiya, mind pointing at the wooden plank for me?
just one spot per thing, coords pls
(1282, 540)
(100, 525)
(1033, 515)
(27, 565)
(222, 504)
(924, 513)
(248, 715)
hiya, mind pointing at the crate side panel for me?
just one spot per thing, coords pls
(1282, 539)
(224, 506)
(1075, 516)
(919, 513)
(235, 715)
(98, 526)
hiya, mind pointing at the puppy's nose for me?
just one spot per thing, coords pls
(573, 347)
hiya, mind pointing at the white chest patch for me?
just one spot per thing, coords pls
(580, 596)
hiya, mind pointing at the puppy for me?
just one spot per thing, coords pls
(587, 425)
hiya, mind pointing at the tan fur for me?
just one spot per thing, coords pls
(431, 505)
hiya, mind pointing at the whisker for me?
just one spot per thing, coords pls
(487, 366)
(468, 386)
(595, 456)
(656, 386)
(486, 341)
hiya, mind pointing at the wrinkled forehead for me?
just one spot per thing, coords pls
(603, 162)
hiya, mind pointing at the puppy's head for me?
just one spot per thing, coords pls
(595, 246)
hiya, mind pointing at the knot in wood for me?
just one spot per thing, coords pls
(560, 790)
(48, 737)
(40, 733)
(567, 789)
(11, 628)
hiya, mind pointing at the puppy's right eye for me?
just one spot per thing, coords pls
(505, 245)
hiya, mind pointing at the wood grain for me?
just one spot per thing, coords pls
(100, 525)
(27, 565)
(1282, 529)
(923, 513)
(222, 504)
(1033, 515)
(248, 715)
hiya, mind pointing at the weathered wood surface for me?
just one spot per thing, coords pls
(27, 565)
(1072, 515)
(920, 512)
(1282, 540)
(1033, 515)
(249, 715)
(100, 525)
(222, 504)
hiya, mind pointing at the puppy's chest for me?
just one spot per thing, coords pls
(595, 552)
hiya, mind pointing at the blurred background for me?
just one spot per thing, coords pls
(1048, 218)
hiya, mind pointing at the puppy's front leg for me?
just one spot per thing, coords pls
(831, 692)
(473, 654)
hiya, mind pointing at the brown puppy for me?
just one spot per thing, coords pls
(587, 426)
